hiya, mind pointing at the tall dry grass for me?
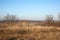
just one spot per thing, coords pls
(14, 31)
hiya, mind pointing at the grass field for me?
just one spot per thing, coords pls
(17, 32)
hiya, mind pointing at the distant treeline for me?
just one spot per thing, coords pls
(47, 22)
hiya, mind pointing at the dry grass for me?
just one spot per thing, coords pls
(17, 32)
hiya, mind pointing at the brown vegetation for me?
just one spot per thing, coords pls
(20, 30)
(13, 29)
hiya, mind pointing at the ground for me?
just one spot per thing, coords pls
(30, 33)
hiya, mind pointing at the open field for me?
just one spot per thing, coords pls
(23, 31)
(29, 19)
(17, 32)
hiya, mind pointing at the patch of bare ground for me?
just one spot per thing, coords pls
(30, 33)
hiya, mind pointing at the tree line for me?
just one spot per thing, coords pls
(49, 18)
(9, 17)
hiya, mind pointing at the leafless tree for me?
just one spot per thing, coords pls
(10, 17)
(59, 16)
(59, 19)
(49, 19)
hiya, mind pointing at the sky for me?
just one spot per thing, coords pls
(30, 9)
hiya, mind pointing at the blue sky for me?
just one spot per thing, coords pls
(30, 9)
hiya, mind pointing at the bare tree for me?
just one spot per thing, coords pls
(59, 19)
(59, 16)
(13, 17)
(10, 17)
(49, 19)
(0, 18)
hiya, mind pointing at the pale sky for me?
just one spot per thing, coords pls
(30, 9)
